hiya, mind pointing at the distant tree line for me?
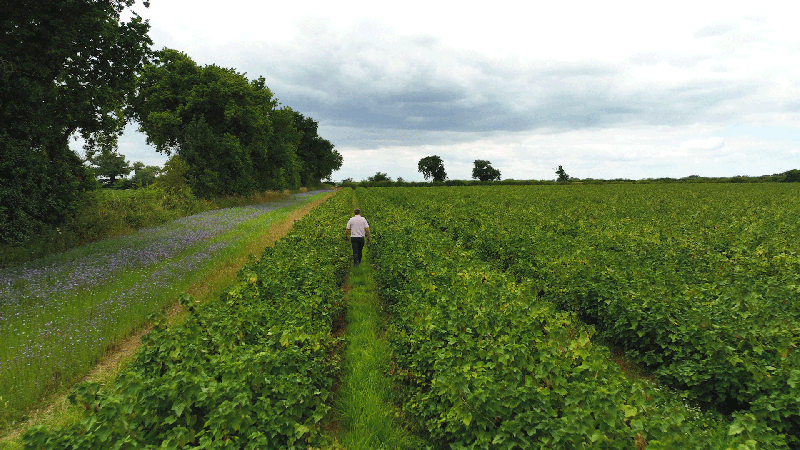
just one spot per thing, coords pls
(432, 167)
(91, 75)
(399, 182)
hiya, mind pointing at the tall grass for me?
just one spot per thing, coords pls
(108, 212)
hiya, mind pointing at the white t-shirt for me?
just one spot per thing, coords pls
(357, 225)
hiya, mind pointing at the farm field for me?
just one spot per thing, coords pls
(59, 314)
(500, 305)
(697, 284)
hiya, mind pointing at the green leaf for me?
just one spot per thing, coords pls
(629, 411)
(735, 429)
(300, 429)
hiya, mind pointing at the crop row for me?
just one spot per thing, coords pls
(485, 363)
(701, 284)
(251, 370)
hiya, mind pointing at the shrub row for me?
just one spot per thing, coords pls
(697, 283)
(251, 370)
(486, 364)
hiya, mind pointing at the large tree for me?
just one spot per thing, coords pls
(483, 170)
(432, 167)
(562, 175)
(109, 165)
(65, 67)
(278, 164)
(229, 131)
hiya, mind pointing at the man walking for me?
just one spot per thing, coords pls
(357, 229)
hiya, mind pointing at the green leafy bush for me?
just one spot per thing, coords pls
(698, 283)
(487, 364)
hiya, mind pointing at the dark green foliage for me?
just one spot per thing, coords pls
(108, 165)
(229, 131)
(37, 190)
(318, 157)
(432, 167)
(212, 117)
(791, 176)
(64, 67)
(278, 165)
(562, 175)
(173, 176)
(484, 171)
(143, 176)
(379, 177)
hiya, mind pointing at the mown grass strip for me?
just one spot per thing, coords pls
(367, 413)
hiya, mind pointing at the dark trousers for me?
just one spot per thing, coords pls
(358, 246)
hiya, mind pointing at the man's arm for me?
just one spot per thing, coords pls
(347, 234)
(366, 230)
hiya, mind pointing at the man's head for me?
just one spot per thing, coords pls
(358, 211)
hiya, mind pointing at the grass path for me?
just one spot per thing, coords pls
(56, 410)
(369, 418)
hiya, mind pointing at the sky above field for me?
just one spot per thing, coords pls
(605, 89)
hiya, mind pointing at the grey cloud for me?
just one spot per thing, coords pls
(386, 89)
(576, 70)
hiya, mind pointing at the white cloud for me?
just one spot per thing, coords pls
(711, 144)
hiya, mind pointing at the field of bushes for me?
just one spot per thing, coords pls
(699, 285)
(515, 315)
(494, 357)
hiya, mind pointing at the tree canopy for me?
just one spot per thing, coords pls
(562, 175)
(378, 177)
(317, 156)
(142, 176)
(109, 165)
(65, 67)
(432, 167)
(230, 131)
(484, 171)
(791, 176)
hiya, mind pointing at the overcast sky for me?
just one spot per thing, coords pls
(606, 89)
